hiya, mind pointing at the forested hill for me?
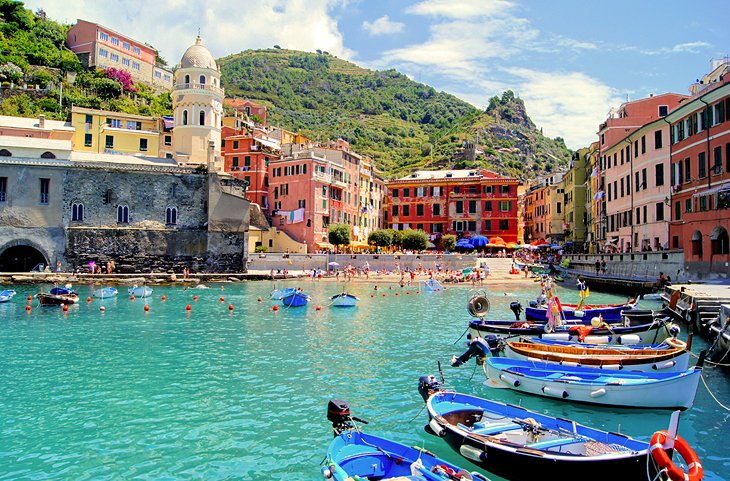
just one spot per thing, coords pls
(402, 124)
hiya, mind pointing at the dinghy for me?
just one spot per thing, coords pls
(7, 295)
(431, 285)
(48, 299)
(137, 291)
(296, 299)
(609, 313)
(522, 445)
(631, 389)
(279, 294)
(354, 455)
(344, 300)
(63, 291)
(105, 292)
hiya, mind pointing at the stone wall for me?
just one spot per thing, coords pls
(638, 265)
(266, 262)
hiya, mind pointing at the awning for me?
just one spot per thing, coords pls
(324, 245)
(713, 190)
(359, 245)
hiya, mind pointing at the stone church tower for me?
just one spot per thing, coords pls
(197, 103)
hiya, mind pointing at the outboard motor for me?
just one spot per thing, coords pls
(479, 348)
(533, 303)
(428, 385)
(338, 413)
(516, 307)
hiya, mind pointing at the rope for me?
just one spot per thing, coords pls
(712, 395)
(714, 364)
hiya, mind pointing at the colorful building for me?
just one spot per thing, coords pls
(247, 157)
(98, 46)
(700, 175)
(575, 199)
(461, 202)
(108, 132)
(247, 109)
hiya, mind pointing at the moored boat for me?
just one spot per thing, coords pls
(524, 445)
(48, 299)
(6, 295)
(608, 313)
(633, 389)
(432, 285)
(105, 292)
(353, 454)
(296, 299)
(63, 291)
(138, 291)
(279, 294)
(344, 300)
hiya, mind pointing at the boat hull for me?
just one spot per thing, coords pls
(344, 300)
(631, 389)
(139, 291)
(7, 295)
(507, 455)
(105, 292)
(279, 294)
(46, 299)
(608, 313)
(297, 299)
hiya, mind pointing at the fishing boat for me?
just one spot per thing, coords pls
(353, 454)
(138, 291)
(48, 299)
(104, 292)
(668, 343)
(675, 359)
(631, 389)
(608, 312)
(296, 299)
(522, 445)
(432, 285)
(63, 291)
(344, 300)
(7, 295)
(279, 294)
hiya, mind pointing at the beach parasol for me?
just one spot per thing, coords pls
(479, 241)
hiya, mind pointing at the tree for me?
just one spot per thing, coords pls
(397, 237)
(415, 240)
(381, 238)
(448, 242)
(339, 234)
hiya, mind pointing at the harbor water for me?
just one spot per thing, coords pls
(218, 393)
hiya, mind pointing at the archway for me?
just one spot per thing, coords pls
(697, 243)
(21, 258)
(719, 239)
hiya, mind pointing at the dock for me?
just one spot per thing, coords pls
(699, 304)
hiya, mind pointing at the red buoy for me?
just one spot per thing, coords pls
(195, 298)
(65, 307)
(146, 308)
(230, 307)
(275, 308)
(188, 307)
(223, 299)
(131, 298)
(28, 308)
(102, 308)
(259, 299)
(88, 299)
(164, 298)
(319, 308)
(30, 298)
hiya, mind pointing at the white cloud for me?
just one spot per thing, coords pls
(459, 8)
(225, 25)
(688, 47)
(383, 26)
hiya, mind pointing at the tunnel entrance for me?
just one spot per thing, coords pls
(21, 258)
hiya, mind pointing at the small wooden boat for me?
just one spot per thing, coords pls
(344, 300)
(652, 332)
(137, 291)
(7, 295)
(632, 389)
(279, 294)
(432, 285)
(608, 313)
(105, 292)
(522, 445)
(48, 299)
(296, 299)
(353, 455)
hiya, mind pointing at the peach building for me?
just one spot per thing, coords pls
(247, 156)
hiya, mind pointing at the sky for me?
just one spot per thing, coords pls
(571, 61)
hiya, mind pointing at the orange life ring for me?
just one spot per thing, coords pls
(674, 342)
(665, 462)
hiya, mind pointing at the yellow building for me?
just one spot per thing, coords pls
(115, 132)
(575, 199)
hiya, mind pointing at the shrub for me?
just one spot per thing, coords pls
(339, 234)
(448, 242)
(416, 240)
(261, 249)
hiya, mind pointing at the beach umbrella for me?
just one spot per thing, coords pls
(543, 245)
(333, 264)
(555, 246)
(464, 244)
(479, 241)
(512, 245)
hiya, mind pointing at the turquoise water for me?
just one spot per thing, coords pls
(242, 394)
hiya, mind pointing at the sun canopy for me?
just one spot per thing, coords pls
(324, 245)
(479, 241)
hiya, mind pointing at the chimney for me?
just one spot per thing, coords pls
(42, 121)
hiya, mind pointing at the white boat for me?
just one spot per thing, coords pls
(344, 300)
(432, 285)
(663, 390)
(7, 295)
(137, 291)
(104, 292)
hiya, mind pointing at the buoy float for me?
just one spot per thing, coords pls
(319, 308)
(275, 308)
(372, 295)
(88, 299)
(102, 308)
(164, 298)
(407, 292)
(30, 298)
(230, 307)
(259, 299)
(188, 307)
(384, 294)
(195, 298)
(146, 308)
(395, 294)
(131, 298)
(65, 307)
(28, 308)
(223, 299)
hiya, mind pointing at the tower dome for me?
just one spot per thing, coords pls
(198, 56)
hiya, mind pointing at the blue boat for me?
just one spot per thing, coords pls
(354, 455)
(105, 292)
(432, 285)
(344, 300)
(279, 294)
(63, 291)
(7, 295)
(296, 299)
(521, 445)
(570, 312)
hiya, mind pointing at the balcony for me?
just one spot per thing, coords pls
(199, 86)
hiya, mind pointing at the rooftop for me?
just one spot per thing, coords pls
(454, 174)
(34, 123)
(84, 110)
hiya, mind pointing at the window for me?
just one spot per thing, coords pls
(488, 206)
(687, 170)
(135, 65)
(488, 189)
(109, 142)
(659, 211)
(638, 216)
(488, 225)
(472, 225)
(658, 174)
(114, 123)
(114, 57)
(187, 79)
(503, 224)
(395, 210)
(202, 117)
(703, 203)
(504, 189)
(247, 179)
(663, 110)
(406, 192)
(637, 182)
(247, 161)
(235, 162)
(168, 139)
(643, 177)
(717, 164)
(125, 62)
(419, 209)
(406, 210)
(688, 205)
(115, 41)
(394, 192)
(459, 206)
(3, 189)
(677, 211)
(506, 206)
(235, 144)
(472, 207)
(126, 46)
(122, 214)
(185, 117)
(558, 207)
(436, 209)
(202, 80)
(658, 139)
(457, 190)
(137, 50)
(171, 216)
(643, 144)
(622, 186)
(104, 36)
(636, 149)
(143, 145)
(472, 189)
(88, 140)
(103, 53)
(701, 167)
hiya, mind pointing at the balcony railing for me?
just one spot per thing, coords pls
(199, 86)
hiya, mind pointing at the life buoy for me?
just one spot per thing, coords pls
(663, 460)
(674, 342)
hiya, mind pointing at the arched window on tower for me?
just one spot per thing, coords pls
(77, 212)
(185, 117)
(171, 216)
(202, 80)
(202, 117)
(122, 214)
(187, 79)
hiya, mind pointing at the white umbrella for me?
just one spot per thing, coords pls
(332, 264)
